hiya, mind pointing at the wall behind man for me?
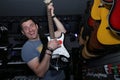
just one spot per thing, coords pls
(37, 7)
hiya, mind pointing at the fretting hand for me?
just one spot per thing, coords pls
(50, 7)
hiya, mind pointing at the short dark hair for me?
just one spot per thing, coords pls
(26, 19)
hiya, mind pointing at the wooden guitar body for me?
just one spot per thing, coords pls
(93, 45)
(104, 34)
(114, 17)
(85, 53)
(95, 11)
(93, 48)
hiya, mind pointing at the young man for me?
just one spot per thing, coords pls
(30, 53)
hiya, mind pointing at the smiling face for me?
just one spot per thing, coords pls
(30, 30)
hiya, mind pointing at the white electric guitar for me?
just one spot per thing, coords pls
(61, 50)
(60, 53)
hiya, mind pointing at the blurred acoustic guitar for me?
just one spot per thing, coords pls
(104, 34)
(95, 10)
(93, 45)
(114, 17)
(85, 53)
(91, 50)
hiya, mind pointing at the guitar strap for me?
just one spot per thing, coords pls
(44, 41)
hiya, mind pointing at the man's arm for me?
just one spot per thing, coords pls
(59, 25)
(40, 68)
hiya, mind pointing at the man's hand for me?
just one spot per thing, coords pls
(53, 44)
(50, 7)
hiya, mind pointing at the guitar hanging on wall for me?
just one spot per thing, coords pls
(91, 50)
(104, 34)
(95, 10)
(114, 17)
(60, 56)
(97, 47)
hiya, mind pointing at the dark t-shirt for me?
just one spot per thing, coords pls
(32, 49)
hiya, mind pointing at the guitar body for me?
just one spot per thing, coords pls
(114, 17)
(97, 47)
(62, 50)
(85, 53)
(60, 56)
(95, 11)
(105, 35)
(92, 46)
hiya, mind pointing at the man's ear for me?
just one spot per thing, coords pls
(22, 32)
(37, 26)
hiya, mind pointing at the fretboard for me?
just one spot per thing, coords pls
(50, 24)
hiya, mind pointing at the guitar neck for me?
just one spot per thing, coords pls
(50, 24)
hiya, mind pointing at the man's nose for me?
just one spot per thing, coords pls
(30, 29)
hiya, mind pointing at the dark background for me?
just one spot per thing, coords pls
(37, 7)
(73, 14)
